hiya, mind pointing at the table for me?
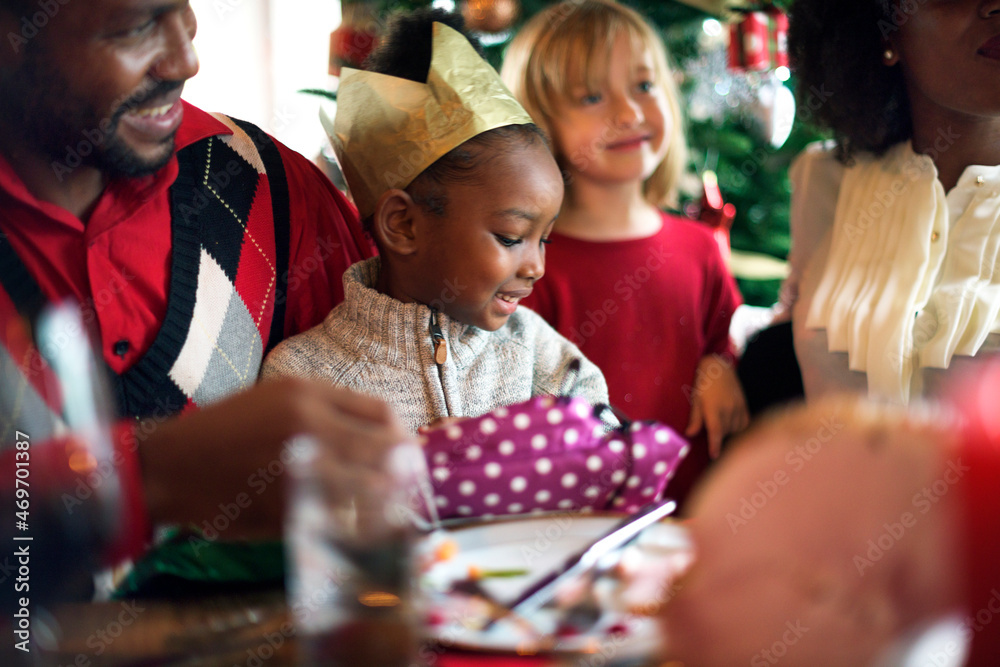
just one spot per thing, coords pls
(250, 631)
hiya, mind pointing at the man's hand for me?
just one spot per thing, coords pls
(718, 403)
(231, 454)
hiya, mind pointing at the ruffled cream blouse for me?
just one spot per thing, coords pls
(892, 277)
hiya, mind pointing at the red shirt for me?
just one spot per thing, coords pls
(117, 262)
(645, 311)
(980, 464)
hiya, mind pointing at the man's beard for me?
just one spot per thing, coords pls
(37, 100)
(116, 159)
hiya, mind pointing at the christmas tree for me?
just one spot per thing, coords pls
(724, 106)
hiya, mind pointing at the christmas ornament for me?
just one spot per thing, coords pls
(354, 39)
(748, 43)
(759, 41)
(490, 15)
(758, 46)
(716, 213)
(773, 110)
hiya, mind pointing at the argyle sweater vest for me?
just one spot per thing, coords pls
(225, 304)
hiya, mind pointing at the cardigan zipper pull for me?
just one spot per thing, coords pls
(440, 345)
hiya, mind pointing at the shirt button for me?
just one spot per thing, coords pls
(121, 348)
(980, 180)
(934, 237)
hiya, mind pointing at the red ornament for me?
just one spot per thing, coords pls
(780, 38)
(759, 42)
(490, 15)
(713, 211)
(349, 46)
(748, 43)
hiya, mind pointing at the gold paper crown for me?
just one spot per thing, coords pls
(388, 130)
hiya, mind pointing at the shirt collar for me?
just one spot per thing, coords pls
(198, 125)
(127, 194)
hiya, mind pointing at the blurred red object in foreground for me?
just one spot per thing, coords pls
(714, 212)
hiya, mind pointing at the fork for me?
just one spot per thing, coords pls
(584, 613)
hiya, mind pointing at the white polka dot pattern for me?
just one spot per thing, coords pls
(548, 455)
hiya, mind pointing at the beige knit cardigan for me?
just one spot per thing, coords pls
(379, 346)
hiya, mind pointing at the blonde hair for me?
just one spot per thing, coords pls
(571, 37)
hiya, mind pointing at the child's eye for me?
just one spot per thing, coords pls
(546, 241)
(592, 98)
(645, 86)
(506, 241)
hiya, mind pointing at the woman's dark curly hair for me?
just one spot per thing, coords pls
(836, 52)
(405, 52)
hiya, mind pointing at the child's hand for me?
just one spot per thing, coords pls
(717, 403)
(440, 422)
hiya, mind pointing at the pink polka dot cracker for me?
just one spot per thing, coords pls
(548, 454)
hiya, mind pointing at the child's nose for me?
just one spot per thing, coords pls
(628, 113)
(532, 265)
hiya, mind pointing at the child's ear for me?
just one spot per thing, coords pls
(394, 221)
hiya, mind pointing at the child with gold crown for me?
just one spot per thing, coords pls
(460, 190)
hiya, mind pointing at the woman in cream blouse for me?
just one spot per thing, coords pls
(895, 280)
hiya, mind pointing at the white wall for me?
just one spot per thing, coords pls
(255, 55)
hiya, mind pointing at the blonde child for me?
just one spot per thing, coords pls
(645, 294)
(459, 190)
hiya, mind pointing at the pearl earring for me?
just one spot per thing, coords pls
(888, 54)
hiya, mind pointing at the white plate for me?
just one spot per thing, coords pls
(537, 545)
